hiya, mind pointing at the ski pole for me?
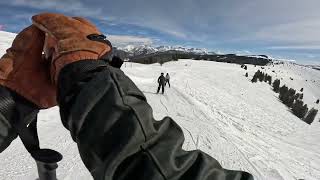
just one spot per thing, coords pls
(46, 159)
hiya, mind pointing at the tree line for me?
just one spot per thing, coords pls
(289, 96)
(172, 55)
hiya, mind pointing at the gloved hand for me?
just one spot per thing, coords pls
(116, 62)
(23, 70)
(70, 39)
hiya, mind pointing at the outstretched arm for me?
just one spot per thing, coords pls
(112, 123)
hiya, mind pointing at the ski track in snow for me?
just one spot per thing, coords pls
(242, 125)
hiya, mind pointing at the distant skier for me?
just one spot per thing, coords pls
(167, 79)
(161, 82)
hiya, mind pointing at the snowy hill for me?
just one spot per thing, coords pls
(241, 124)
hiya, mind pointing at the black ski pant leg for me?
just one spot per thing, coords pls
(168, 81)
(159, 88)
(162, 88)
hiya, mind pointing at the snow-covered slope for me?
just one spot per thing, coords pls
(297, 76)
(241, 124)
(5, 40)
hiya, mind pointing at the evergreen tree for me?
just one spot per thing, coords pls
(297, 96)
(276, 85)
(269, 80)
(254, 79)
(304, 110)
(246, 74)
(175, 57)
(283, 92)
(161, 62)
(301, 90)
(150, 59)
(297, 106)
(256, 76)
(261, 76)
(265, 77)
(288, 97)
(317, 101)
(291, 92)
(301, 96)
(290, 101)
(311, 115)
(299, 109)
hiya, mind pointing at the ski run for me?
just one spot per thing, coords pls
(241, 124)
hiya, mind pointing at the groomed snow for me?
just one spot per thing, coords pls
(241, 124)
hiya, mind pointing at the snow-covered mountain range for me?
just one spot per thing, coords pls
(148, 49)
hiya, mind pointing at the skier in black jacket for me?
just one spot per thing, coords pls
(161, 82)
(107, 115)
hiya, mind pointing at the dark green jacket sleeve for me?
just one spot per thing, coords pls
(13, 109)
(112, 123)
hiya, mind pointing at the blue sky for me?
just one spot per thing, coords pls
(287, 29)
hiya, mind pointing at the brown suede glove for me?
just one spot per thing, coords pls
(68, 40)
(23, 70)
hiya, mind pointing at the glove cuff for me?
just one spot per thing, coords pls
(66, 59)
